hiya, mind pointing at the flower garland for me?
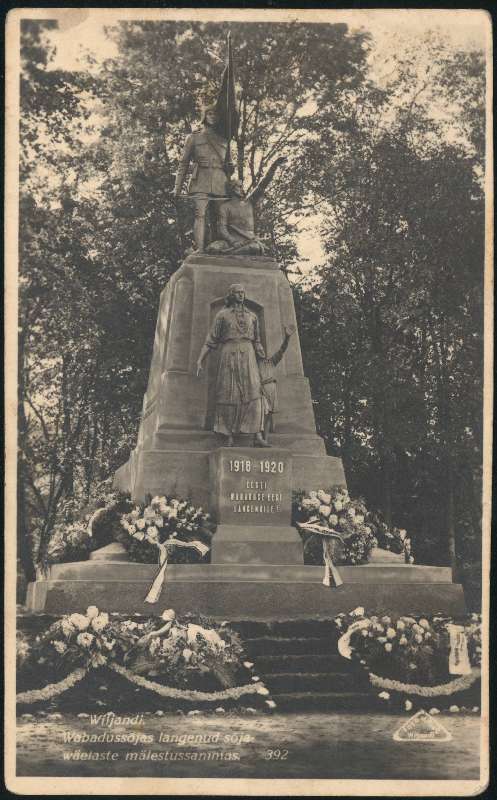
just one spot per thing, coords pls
(162, 646)
(52, 689)
(189, 694)
(445, 689)
(421, 647)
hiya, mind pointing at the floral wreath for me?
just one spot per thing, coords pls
(168, 647)
(154, 531)
(357, 529)
(426, 656)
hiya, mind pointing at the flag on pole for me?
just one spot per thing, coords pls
(226, 101)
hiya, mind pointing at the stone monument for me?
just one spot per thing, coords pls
(177, 433)
(205, 408)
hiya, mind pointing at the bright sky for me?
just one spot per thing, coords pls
(83, 31)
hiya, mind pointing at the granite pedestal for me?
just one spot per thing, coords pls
(246, 591)
(251, 498)
(176, 437)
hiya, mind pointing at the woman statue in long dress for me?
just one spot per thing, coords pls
(239, 398)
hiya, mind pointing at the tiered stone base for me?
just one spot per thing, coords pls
(246, 591)
(176, 430)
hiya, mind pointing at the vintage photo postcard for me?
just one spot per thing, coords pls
(249, 358)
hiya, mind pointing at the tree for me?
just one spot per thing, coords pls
(387, 157)
(400, 299)
(285, 73)
(100, 236)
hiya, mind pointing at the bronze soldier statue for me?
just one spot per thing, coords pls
(207, 150)
(236, 218)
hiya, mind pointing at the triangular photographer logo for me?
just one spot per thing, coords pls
(422, 728)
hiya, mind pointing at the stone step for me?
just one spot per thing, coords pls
(235, 599)
(368, 576)
(267, 645)
(329, 701)
(318, 663)
(291, 682)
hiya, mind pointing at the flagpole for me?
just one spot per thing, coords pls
(228, 109)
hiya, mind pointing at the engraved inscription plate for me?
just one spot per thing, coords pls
(251, 486)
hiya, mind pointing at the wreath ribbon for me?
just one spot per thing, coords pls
(159, 580)
(332, 576)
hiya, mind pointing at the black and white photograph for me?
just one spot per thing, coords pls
(249, 389)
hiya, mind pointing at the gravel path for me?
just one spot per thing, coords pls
(258, 746)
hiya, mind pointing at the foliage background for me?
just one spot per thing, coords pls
(385, 160)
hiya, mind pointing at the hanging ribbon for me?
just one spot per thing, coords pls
(458, 657)
(330, 571)
(159, 580)
(332, 576)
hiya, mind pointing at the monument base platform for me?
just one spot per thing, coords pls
(246, 591)
(256, 544)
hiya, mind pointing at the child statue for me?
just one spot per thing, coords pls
(268, 381)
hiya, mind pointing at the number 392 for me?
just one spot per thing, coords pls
(275, 755)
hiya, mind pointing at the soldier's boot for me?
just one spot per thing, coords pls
(199, 224)
(199, 234)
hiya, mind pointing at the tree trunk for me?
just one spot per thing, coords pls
(68, 465)
(24, 550)
(447, 442)
(451, 528)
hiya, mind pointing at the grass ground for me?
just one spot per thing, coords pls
(313, 745)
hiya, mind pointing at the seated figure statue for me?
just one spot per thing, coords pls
(236, 218)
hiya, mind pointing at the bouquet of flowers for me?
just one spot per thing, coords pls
(164, 520)
(411, 649)
(80, 529)
(336, 512)
(393, 539)
(360, 530)
(177, 651)
(76, 640)
(70, 541)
